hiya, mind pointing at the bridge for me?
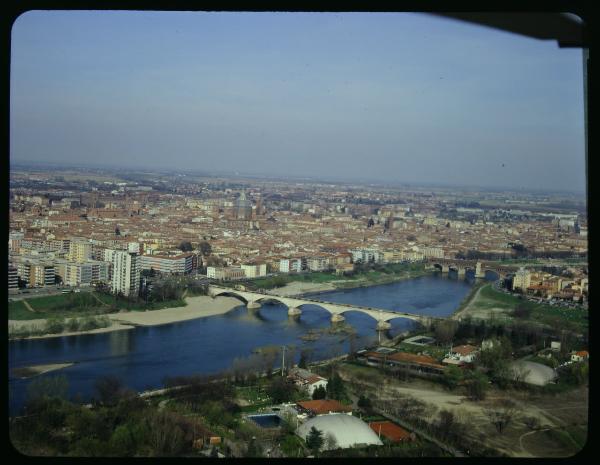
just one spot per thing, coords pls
(478, 266)
(253, 301)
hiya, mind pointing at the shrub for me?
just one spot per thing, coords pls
(55, 325)
(73, 324)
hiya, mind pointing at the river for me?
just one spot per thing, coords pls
(144, 356)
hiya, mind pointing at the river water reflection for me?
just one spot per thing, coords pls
(144, 356)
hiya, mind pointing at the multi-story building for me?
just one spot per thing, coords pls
(80, 250)
(41, 274)
(225, 273)
(290, 265)
(254, 270)
(366, 256)
(77, 274)
(521, 280)
(432, 252)
(317, 263)
(178, 264)
(125, 273)
(13, 278)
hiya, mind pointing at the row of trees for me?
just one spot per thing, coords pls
(120, 424)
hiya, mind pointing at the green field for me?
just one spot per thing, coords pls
(122, 304)
(489, 298)
(80, 304)
(66, 305)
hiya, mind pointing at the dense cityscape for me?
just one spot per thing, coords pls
(269, 234)
(99, 250)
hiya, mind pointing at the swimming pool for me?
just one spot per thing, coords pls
(268, 420)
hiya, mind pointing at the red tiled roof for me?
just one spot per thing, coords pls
(464, 350)
(390, 430)
(323, 406)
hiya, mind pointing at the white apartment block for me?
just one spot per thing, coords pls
(290, 265)
(255, 270)
(125, 273)
(179, 264)
(521, 280)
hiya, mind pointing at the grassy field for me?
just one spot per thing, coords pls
(122, 304)
(81, 304)
(503, 304)
(66, 305)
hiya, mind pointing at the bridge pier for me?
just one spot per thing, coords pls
(337, 318)
(479, 273)
(294, 311)
(253, 305)
(462, 271)
(445, 268)
(383, 325)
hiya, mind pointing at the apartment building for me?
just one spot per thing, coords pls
(521, 280)
(80, 250)
(125, 273)
(13, 278)
(290, 265)
(254, 270)
(225, 273)
(179, 264)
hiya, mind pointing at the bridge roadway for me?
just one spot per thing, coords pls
(253, 299)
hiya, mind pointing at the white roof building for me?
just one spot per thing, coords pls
(347, 430)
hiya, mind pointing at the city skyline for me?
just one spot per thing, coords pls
(214, 92)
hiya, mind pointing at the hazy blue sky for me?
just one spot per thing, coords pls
(397, 97)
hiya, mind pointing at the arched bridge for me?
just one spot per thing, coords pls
(253, 301)
(478, 266)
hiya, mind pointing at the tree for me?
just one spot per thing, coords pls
(532, 422)
(205, 248)
(280, 390)
(445, 423)
(315, 440)
(185, 246)
(335, 387)
(502, 414)
(477, 385)
(254, 449)
(53, 387)
(445, 331)
(302, 363)
(364, 402)
(497, 360)
(319, 393)
(452, 376)
(330, 442)
(109, 389)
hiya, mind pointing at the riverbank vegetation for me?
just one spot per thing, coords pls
(507, 307)
(202, 416)
(363, 275)
(58, 325)
(170, 293)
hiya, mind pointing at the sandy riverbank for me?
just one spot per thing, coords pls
(197, 307)
(297, 287)
(34, 370)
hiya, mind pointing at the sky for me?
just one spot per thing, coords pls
(390, 97)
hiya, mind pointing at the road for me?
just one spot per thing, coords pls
(44, 292)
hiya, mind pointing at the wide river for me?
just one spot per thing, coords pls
(144, 356)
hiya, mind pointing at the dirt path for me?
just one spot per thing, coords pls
(29, 307)
(98, 299)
